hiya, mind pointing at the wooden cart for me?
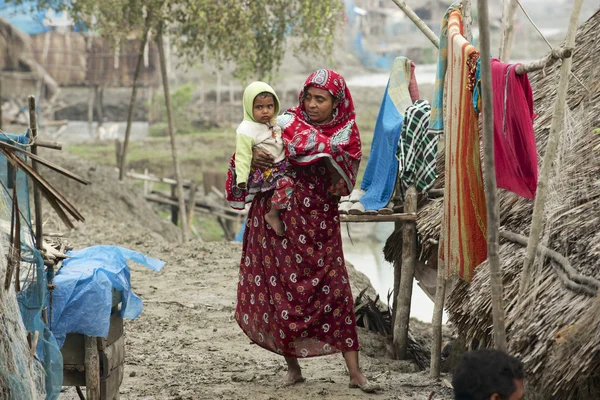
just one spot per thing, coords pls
(95, 362)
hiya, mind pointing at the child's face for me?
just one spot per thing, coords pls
(263, 108)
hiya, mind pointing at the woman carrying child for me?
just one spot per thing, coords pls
(294, 295)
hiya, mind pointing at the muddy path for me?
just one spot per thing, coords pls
(186, 344)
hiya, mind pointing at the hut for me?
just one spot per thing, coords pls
(20, 72)
(555, 335)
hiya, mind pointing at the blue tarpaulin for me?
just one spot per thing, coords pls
(82, 300)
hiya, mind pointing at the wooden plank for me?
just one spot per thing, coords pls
(72, 350)
(112, 357)
(406, 217)
(109, 387)
(73, 375)
(114, 332)
(92, 368)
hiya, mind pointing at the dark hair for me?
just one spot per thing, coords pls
(264, 95)
(482, 373)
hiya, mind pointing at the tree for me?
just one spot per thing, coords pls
(253, 35)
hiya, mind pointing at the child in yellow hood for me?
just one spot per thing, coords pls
(259, 129)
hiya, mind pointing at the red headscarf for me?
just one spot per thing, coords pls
(337, 140)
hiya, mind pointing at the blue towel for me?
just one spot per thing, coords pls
(382, 167)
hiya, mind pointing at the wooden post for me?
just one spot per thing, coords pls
(37, 199)
(118, 151)
(191, 204)
(136, 76)
(418, 22)
(146, 183)
(409, 256)
(397, 199)
(90, 111)
(174, 208)
(178, 177)
(493, 234)
(509, 14)
(551, 148)
(92, 368)
(99, 104)
(438, 313)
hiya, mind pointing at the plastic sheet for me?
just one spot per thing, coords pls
(82, 300)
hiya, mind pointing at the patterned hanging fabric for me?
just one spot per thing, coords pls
(417, 149)
(464, 244)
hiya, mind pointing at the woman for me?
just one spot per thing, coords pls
(294, 296)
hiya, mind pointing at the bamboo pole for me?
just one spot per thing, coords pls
(493, 238)
(404, 295)
(509, 16)
(438, 313)
(544, 62)
(551, 149)
(90, 111)
(37, 198)
(178, 177)
(418, 22)
(136, 76)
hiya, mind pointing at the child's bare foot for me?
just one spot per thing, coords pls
(272, 218)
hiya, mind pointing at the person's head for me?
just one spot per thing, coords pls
(260, 103)
(325, 97)
(488, 375)
(263, 108)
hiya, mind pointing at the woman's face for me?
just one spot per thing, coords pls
(319, 105)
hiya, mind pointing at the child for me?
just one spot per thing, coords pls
(259, 129)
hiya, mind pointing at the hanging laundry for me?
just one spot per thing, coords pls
(464, 244)
(417, 149)
(515, 151)
(380, 175)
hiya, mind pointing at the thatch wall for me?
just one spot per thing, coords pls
(74, 60)
(558, 337)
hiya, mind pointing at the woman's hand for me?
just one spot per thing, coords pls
(261, 158)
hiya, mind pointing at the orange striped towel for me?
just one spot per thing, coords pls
(464, 225)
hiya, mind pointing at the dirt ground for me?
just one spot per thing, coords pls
(186, 344)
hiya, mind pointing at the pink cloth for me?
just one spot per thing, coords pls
(413, 88)
(514, 140)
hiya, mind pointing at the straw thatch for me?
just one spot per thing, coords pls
(76, 60)
(557, 335)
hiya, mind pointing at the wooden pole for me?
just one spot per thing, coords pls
(191, 204)
(468, 20)
(418, 22)
(546, 61)
(174, 207)
(509, 16)
(178, 177)
(438, 313)
(92, 368)
(91, 111)
(551, 148)
(136, 76)
(409, 257)
(493, 238)
(37, 198)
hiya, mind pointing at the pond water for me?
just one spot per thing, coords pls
(365, 252)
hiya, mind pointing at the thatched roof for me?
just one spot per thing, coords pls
(557, 337)
(73, 61)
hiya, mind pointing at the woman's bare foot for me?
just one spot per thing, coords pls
(272, 218)
(294, 372)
